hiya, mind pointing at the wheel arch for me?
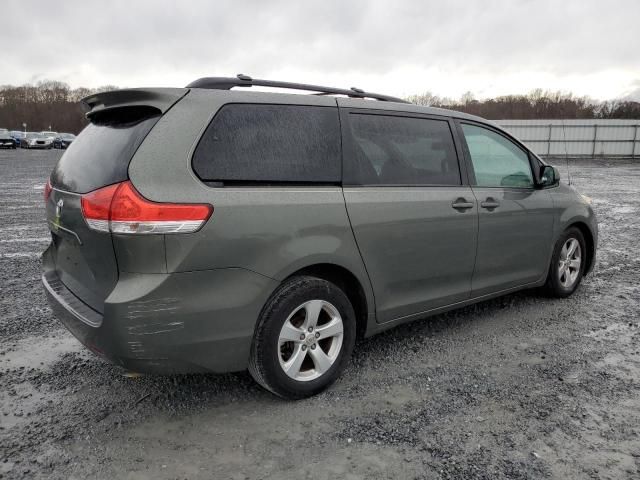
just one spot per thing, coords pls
(349, 283)
(589, 241)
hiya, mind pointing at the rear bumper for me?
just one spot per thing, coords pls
(168, 323)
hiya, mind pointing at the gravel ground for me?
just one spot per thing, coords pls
(518, 387)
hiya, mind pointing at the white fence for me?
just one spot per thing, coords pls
(578, 138)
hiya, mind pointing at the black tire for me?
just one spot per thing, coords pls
(264, 361)
(554, 286)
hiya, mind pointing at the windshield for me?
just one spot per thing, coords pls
(67, 136)
(33, 135)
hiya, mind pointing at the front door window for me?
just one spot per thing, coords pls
(497, 162)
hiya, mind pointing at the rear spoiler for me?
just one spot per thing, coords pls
(161, 99)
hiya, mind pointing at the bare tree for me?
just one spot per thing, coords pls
(54, 104)
(47, 104)
(536, 104)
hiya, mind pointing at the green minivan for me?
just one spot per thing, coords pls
(216, 228)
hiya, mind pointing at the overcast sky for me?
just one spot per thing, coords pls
(488, 47)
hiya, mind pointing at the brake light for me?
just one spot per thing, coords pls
(120, 208)
(47, 190)
(96, 207)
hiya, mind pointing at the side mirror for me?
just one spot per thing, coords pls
(549, 176)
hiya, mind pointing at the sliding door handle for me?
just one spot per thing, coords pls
(490, 204)
(461, 204)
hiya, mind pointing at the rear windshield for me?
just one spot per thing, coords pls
(270, 144)
(101, 153)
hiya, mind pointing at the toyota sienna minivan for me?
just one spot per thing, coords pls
(215, 228)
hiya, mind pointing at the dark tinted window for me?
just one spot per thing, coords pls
(388, 150)
(248, 143)
(100, 155)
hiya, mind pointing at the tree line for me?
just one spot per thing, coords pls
(537, 104)
(47, 105)
(52, 105)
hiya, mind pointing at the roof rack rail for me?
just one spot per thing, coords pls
(241, 80)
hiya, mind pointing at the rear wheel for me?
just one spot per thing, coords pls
(304, 338)
(567, 264)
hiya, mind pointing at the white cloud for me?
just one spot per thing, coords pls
(489, 47)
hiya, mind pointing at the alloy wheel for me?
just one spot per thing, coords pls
(310, 340)
(569, 262)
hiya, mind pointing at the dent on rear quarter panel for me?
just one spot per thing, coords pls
(273, 231)
(204, 319)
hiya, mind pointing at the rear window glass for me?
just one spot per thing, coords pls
(392, 150)
(101, 153)
(254, 143)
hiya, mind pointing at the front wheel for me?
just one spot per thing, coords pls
(304, 338)
(567, 264)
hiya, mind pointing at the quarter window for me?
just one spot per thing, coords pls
(497, 162)
(260, 143)
(391, 150)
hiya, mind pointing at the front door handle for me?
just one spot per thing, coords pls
(490, 204)
(461, 204)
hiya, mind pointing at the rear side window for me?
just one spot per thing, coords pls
(100, 155)
(391, 150)
(255, 143)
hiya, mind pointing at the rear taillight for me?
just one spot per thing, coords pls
(47, 190)
(96, 207)
(120, 208)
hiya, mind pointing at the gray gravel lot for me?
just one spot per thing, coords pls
(519, 387)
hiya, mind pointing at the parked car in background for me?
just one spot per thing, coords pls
(18, 136)
(63, 140)
(50, 135)
(6, 140)
(280, 227)
(36, 140)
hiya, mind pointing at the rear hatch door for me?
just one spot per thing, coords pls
(85, 260)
